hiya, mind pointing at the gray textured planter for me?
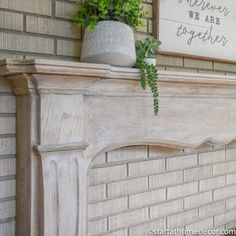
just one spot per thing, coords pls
(111, 42)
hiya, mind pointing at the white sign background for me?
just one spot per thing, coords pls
(197, 27)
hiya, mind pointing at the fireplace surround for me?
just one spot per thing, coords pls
(70, 114)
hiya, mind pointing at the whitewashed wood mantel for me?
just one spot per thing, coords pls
(68, 113)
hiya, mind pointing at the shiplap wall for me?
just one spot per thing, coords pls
(7, 159)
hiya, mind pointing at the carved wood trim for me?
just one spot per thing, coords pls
(42, 149)
(63, 106)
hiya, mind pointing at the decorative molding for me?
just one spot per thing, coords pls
(43, 149)
(42, 66)
(8, 66)
(58, 77)
(64, 106)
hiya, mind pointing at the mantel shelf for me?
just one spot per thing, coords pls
(52, 67)
(69, 113)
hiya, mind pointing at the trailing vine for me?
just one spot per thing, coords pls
(149, 76)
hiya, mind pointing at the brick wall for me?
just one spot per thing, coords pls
(38, 28)
(137, 189)
(43, 29)
(7, 160)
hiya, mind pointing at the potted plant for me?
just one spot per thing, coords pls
(109, 25)
(146, 62)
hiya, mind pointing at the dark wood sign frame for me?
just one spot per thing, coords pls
(155, 33)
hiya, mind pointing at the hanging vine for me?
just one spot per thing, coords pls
(149, 76)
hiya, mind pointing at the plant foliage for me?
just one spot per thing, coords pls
(90, 12)
(148, 48)
(148, 72)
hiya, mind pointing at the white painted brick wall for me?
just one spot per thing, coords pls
(137, 189)
(182, 190)
(39, 6)
(197, 200)
(97, 226)
(126, 187)
(8, 104)
(224, 168)
(68, 48)
(7, 146)
(212, 209)
(145, 229)
(166, 208)
(48, 26)
(26, 43)
(118, 233)
(231, 179)
(231, 154)
(53, 42)
(65, 9)
(146, 167)
(224, 193)
(114, 173)
(128, 219)
(7, 228)
(147, 198)
(8, 143)
(182, 219)
(97, 192)
(7, 125)
(201, 225)
(11, 20)
(197, 173)
(211, 157)
(212, 183)
(181, 162)
(107, 207)
(7, 167)
(231, 203)
(225, 218)
(169, 178)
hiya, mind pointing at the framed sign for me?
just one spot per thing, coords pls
(196, 28)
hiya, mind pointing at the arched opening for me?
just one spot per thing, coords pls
(136, 189)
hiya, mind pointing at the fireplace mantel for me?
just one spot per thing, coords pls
(68, 113)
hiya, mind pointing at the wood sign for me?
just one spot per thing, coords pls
(196, 28)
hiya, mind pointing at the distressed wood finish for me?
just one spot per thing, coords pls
(68, 113)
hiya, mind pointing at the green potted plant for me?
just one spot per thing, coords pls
(146, 61)
(109, 25)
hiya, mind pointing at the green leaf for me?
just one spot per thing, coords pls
(129, 12)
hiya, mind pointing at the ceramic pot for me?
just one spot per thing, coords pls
(111, 42)
(151, 61)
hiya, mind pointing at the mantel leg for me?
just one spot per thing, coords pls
(64, 194)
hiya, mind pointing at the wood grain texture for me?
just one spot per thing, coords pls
(73, 112)
(57, 110)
